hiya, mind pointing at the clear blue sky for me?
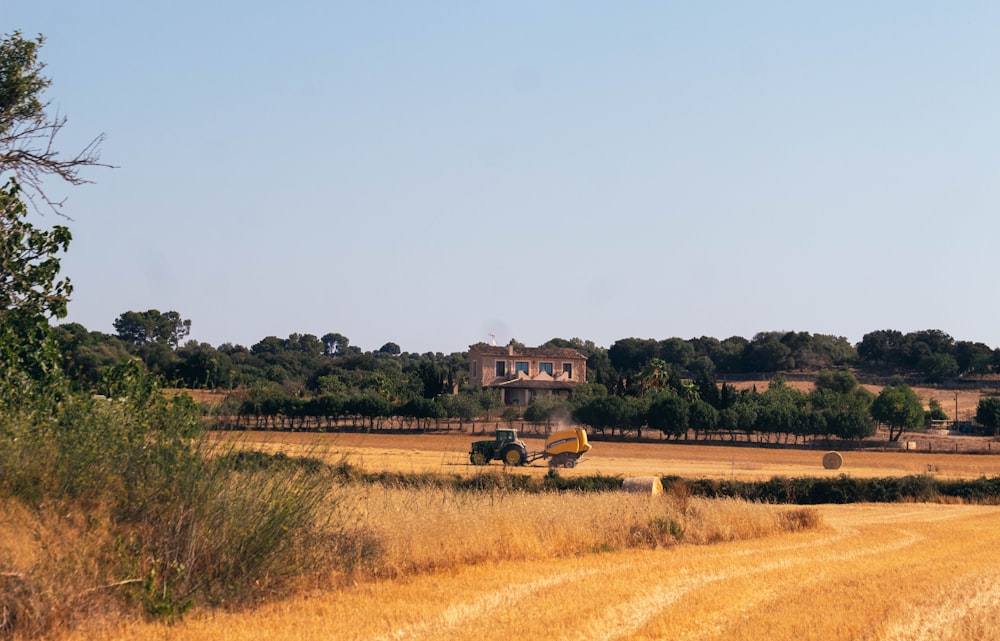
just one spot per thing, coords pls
(431, 173)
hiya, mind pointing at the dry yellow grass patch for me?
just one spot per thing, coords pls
(404, 534)
(914, 572)
(420, 530)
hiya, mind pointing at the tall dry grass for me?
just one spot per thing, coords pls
(399, 532)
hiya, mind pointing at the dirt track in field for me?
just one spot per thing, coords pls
(448, 453)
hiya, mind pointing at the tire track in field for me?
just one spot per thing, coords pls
(629, 617)
(478, 609)
(464, 613)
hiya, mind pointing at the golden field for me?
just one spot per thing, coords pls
(506, 565)
(891, 572)
(448, 453)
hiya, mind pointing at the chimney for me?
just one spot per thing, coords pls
(510, 349)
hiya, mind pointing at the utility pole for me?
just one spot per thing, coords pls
(956, 411)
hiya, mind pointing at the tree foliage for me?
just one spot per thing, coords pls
(899, 407)
(152, 326)
(30, 294)
(988, 413)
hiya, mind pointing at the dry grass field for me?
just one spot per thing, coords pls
(867, 572)
(448, 453)
(886, 572)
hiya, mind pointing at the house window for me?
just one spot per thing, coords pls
(520, 366)
(474, 363)
(501, 368)
(568, 370)
(545, 367)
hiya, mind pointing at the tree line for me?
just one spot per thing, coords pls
(670, 386)
(310, 364)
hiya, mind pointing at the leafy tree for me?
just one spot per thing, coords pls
(839, 382)
(152, 326)
(629, 355)
(335, 344)
(938, 367)
(670, 414)
(899, 407)
(203, 366)
(600, 371)
(702, 417)
(27, 129)
(430, 378)
(389, 348)
(708, 390)
(988, 414)
(603, 412)
(86, 355)
(461, 406)
(423, 409)
(677, 351)
(883, 347)
(842, 405)
(369, 406)
(780, 410)
(30, 293)
(740, 416)
(973, 358)
(729, 357)
(924, 343)
(935, 412)
(766, 353)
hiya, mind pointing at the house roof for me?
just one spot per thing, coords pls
(527, 383)
(527, 352)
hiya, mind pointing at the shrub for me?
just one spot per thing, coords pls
(169, 521)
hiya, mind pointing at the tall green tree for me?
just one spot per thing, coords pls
(152, 326)
(898, 407)
(988, 413)
(670, 414)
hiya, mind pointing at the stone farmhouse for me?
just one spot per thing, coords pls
(521, 373)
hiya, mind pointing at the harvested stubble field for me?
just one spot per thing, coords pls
(448, 453)
(900, 571)
(928, 572)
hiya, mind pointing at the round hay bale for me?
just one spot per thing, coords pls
(832, 460)
(643, 484)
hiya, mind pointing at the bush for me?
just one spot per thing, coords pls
(170, 518)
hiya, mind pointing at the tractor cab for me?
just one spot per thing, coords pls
(505, 436)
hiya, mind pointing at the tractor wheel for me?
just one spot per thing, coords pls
(569, 462)
(559, 460)
(478, 458)
(514, 455)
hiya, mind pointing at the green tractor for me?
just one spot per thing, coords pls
(505, 447)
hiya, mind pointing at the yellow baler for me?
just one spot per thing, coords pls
(564, 447)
